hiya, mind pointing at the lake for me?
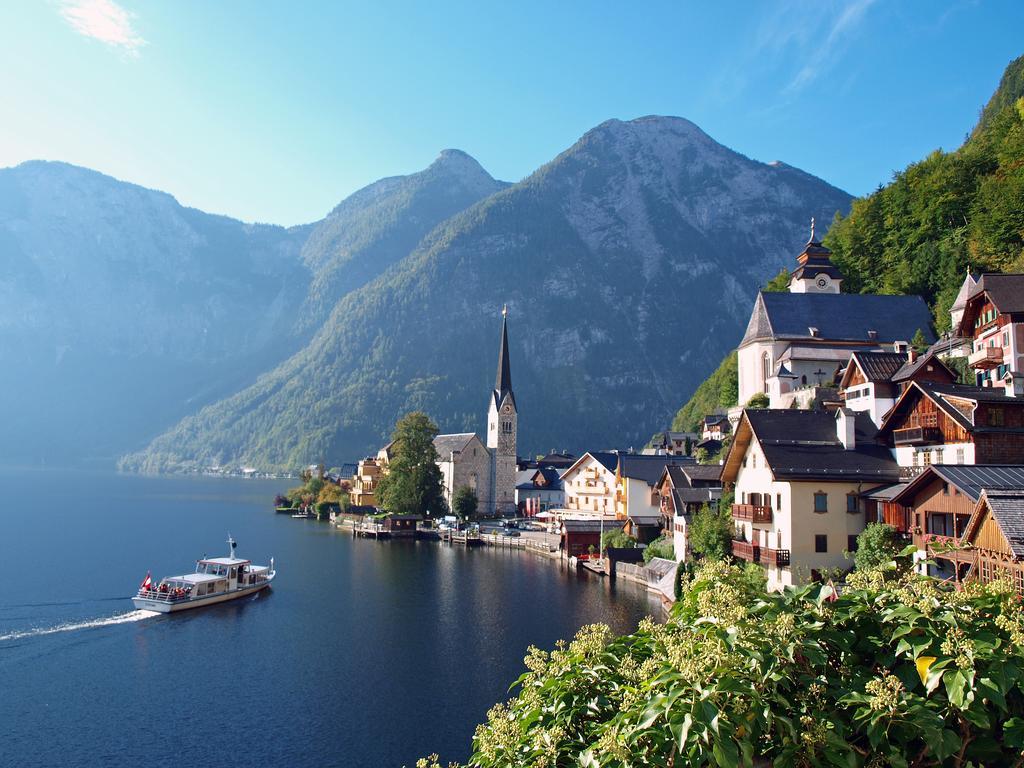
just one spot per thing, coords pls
(362, 653)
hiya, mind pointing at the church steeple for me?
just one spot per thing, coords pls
(503, 381)
(815, 272)
(502, 429)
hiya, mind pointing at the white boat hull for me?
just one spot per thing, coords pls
(166, 606)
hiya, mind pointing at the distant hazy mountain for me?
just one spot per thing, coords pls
(629, 265)
(122, 311)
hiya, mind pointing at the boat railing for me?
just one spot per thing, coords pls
(166, 597)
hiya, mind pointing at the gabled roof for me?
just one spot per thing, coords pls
(850, 317)
(527, 479)
(804, 445)
(969, 479)
(648, 468)
(878, 366)
(1007, 509)
(557, 460)
(911, 369)
(1005, 291)
(702, 471)
(941, 394)
(445, 445)
(607, 459)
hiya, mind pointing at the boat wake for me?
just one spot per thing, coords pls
(120, 618)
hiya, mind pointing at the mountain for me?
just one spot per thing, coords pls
(382, 223)
(628, 263)
(919, 234)
(122, 311)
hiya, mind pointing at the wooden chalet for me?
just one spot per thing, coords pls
(933, 423)
(936, 507)
(995, 536)
(872, 381)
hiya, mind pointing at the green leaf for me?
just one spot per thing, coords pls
(725, 753)
(1013, 733)
(947, 744)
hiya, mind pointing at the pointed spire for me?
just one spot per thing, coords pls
(812, 230)
(503, 382)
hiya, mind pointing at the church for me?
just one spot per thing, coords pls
(798, 340)
(489, 469)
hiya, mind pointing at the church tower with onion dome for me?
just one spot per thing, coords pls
(502, 428)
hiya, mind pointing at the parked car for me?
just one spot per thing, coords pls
(510, 532)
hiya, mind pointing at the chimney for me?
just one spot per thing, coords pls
(911, 354)
(845, 428)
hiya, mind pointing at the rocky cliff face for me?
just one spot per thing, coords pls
(629, 264)
(122, 311)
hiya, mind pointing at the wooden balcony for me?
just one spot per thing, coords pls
(916, 436)
(754, 513)
(986, 357)
(947, 547)
(746, 551)
(774, 557)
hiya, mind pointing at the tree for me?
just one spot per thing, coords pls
(758, 401)
(413, 484)
(877, 545)
(660, 547)
(617, 539)
(711, 531)
(464, 503)
(919, 342)
(779, 283)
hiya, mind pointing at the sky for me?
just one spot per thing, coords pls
(275, 111)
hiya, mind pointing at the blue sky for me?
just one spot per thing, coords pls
(274, 111)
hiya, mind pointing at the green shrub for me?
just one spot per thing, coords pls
(617, 540)
(898, 670)
(660, 547)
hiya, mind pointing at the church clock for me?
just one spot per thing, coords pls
(822, 282)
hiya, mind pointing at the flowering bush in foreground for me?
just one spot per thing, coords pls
(897, 670)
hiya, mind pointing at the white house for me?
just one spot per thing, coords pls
(797, 478)
(589, 484)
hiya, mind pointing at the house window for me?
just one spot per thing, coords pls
(995, 417)
(960, 456)
(926, 457)
(753, 461)
(851, 543)
(821, 502)
(945, 488)
(765, 372)
(820, 542)
(778, 502)
(851, 503)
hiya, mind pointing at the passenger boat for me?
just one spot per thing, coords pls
(215, 580)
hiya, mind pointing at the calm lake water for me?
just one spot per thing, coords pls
(362, 654)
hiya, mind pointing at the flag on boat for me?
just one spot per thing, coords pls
(147, 582)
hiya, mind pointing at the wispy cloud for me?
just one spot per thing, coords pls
(844, 25)
(103, 20)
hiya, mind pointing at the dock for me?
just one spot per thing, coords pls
(370, 531)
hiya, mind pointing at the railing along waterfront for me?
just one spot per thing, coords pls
(755, 513)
